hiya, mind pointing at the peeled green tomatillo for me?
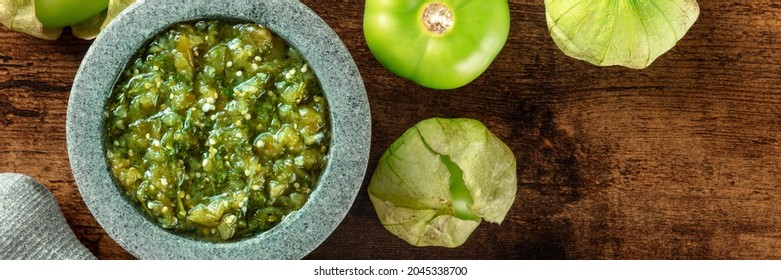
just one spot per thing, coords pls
(440, 44)
(630, 33)
(438, 181)
(60, 13)
(45, 19)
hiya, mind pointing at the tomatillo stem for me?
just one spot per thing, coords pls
(437, 18)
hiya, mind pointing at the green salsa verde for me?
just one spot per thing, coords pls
(217, 130)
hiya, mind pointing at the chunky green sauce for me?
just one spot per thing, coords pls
(217, 130)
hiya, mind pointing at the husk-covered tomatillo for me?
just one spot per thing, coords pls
(631, 33)
(434, 185)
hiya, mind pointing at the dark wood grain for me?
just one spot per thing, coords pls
(676, 161)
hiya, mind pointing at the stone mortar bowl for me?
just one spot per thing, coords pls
(301, 231)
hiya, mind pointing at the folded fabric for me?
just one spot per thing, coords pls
(32, 226)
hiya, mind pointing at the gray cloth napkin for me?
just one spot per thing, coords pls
(32, 226)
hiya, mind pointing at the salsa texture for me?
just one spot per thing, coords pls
(217, 130)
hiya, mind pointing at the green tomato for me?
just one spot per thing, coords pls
(440, 44)
(60, 13)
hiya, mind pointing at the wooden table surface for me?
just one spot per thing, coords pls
(677, 161)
